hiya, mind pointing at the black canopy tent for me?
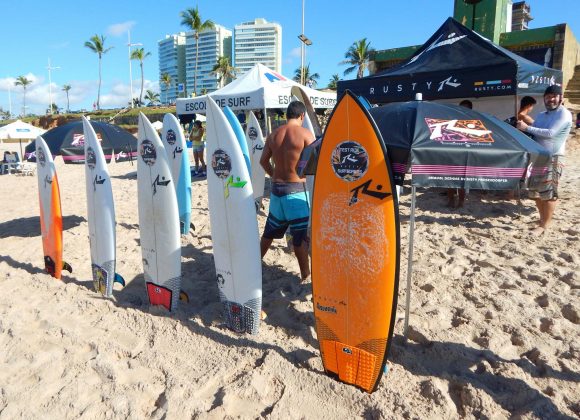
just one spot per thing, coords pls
(455, 62)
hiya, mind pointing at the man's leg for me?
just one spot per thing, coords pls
(549, 208)
(540, 206)
(265, 245)
(301, 253)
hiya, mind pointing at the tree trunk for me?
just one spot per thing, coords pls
(99, 91)
(24, 102)
(196, 62)
(142, 81)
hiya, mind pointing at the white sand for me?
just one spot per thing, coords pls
(495, 320)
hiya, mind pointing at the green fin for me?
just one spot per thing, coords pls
(66, 266)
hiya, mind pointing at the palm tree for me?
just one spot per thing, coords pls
(310, 79)
(333, 82)
(97, 45)
(224, 71)
(192, 19)
(140, 54)
(166, 80)
(66, 88)
(23, 81)
(151, 97)
(358, 56)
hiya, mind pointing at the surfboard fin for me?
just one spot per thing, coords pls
(183, 296)
(119, 279)
(192, 226)
(66, 266)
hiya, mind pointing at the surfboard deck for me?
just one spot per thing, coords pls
(255, 140)
(158, 220)
(234, 227)
(174, 143)
(50, 211)
(355, 247)
(100, 214)
(240, 136)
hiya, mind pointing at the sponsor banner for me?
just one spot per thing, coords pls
(281, 98)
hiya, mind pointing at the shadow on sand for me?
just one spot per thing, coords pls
(26, 227)
(461, 365)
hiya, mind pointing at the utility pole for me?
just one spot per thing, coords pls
(50, 85)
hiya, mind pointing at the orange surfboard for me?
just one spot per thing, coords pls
(50, 211)
(355, 247)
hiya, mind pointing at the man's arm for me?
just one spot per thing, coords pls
(265, 159)
(558, 124)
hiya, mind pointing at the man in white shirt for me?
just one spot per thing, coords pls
(551, 130)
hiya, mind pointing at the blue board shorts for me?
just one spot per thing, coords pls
(288, 209)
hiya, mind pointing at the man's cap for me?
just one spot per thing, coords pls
(553, 90)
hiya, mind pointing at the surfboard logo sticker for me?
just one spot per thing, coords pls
(41, 157)
(253, 133)
(365, 188)
(171, 137)
(350, 161)
(148, 152)
(221, 163)
(91, 158)
(100, 276)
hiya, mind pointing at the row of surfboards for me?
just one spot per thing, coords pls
(354, 222)
(164, 201)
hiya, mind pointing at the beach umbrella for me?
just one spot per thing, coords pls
(19, 130)
(68, 140)
(452, 146)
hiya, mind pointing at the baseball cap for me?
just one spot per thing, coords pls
(553, 90)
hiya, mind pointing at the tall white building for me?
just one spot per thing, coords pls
(258, 41)
(171, 61)
(213, 43)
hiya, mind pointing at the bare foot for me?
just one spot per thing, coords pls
(539, 231)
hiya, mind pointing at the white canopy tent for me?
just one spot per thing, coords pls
(18, 131)
(259, 89)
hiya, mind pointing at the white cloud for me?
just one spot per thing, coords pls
(295, 52)
(119, 29)
(118, 95)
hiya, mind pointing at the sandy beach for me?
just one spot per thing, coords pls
(495, 319)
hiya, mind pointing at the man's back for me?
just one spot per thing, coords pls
(286, 145)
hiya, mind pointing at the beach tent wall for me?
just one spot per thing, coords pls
(456, 62)
(261, 88)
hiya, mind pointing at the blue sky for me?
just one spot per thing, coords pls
(31, 32)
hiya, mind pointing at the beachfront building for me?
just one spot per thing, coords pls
(171, 51)
(213, 43)
(553, 46)
(257, 41)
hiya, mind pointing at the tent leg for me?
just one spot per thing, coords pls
(410, 260)
(266, 131)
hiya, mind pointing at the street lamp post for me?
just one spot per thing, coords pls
(50, 68)
(303, 42)
(130, 71)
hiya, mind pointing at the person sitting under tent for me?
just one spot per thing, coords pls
(550, 129)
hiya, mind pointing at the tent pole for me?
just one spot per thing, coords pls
(410, 260)
(266, 132)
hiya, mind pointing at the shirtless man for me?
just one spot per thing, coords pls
(288, 198)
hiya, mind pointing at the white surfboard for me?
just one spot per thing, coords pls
(174, 143)
(158, 220)
(255, 141)
(101, 214)
(234, 227)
